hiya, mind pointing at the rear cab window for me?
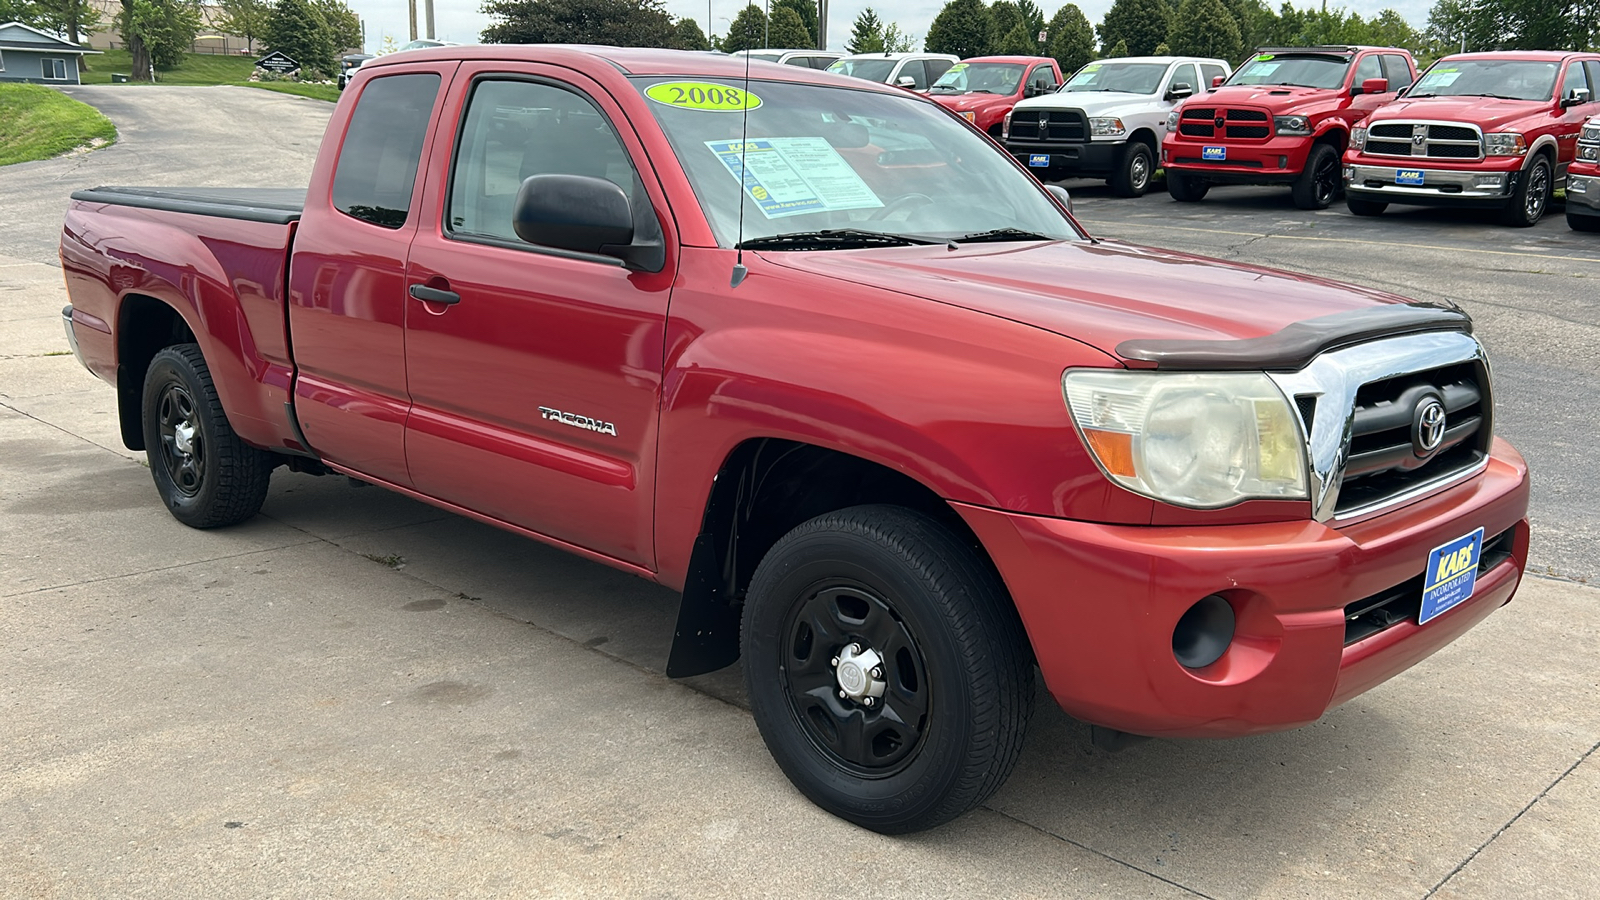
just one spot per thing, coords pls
(377, 168)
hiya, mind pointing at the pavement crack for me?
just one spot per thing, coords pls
(1100, 853)
(1512, 821)
(182, 565)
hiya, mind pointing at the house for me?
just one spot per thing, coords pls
(28, 54)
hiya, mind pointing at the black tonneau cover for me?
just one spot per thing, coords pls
(279, 206)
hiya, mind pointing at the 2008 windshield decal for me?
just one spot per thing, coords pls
(704, 96)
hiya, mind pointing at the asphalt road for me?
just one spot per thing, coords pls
(357, 695)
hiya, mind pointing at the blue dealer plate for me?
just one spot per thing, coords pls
(1408, 176)
(1213, 152)
(1452, 574)
(1039, 160)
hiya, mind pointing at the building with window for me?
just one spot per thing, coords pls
(28, 54)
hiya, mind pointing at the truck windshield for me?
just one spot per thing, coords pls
(870, 69)
(1300, 71)
(979, 78)
(1129, 78)
(815, 159)
(1509, 79)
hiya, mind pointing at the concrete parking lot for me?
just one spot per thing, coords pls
(356, 694)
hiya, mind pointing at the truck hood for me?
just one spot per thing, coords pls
(1093, 103)
(1101, 294)
(971, 102)
(1487, 113)
(1279, 98)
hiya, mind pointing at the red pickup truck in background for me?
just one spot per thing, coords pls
(1283, 117)
(983, 89)
(1583, 180)
(893, 449)
(1479, 130)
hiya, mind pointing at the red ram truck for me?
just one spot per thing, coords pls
(1583, 180)
(839, 369)
(1478, 130)
(1283, 117)
(983, 89)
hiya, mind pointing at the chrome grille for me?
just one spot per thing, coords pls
(1438, 140)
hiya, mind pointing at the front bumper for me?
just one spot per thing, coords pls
(1100, 603)
(1583, 195)
(1439, 187)
(72, 336)
(1278, 160)
(1089, 158)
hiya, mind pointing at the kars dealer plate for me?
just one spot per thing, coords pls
(1452, 574)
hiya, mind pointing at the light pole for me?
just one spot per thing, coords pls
(822, 24)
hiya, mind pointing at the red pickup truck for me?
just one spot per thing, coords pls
(838, 368)
(1583, 180)
(1478, 130)
(983, 89)
(1283, 117)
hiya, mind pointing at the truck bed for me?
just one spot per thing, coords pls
(278, 206)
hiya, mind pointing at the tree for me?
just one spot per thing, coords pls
(787, 31)
(807, 11)
(961, 29)
(747, 32)
(1205, 28)
(69, 18)
(1255, 20)
(344, 29)
(1032, 16)
(1390, 29)
(246, 18)
(1071, 39)
(1119, 50)
(897, 41)
(867, 36)
(1019, 41)
(1004, 16)
(1163, 50)
(624, 23)
(1141, 24)
(296, 29)
(157, 33)
(686, 35)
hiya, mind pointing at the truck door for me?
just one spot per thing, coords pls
(536, 385)
(1370, 65)
(347, 274)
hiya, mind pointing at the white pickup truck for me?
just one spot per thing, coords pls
(1106, 121)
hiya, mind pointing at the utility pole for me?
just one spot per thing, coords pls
(766, 27)
(413, 5)
(822, 24)
(429, 8)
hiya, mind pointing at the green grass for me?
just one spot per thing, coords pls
(38, 123)
(196, 68)
(326, 92)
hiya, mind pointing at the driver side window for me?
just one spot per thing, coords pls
(1183, 74)
(1575, 80)
(1369, 67)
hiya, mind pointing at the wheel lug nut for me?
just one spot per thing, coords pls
(867, 701)
(877, 672)
(855, 649)
(834, 662)
(843, 696)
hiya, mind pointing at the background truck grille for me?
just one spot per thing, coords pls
(1436, 141)
(1238, 124)
(1054, 126)
(1383, 461)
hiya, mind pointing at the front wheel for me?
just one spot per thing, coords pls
(1361, 207)
(1532, 195)
(887, 671)
(1134, 167)
(1318, 183)
(1186, 188)
(1582, 223)
(205, 474)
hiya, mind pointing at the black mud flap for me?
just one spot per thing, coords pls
(707, 636)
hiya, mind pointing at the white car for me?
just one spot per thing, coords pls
(1107, 120)
(912, 71)
(805, 59)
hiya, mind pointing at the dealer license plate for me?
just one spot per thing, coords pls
(1452, 574)
(1213, 152)
(1408, 176)
(1039, 160)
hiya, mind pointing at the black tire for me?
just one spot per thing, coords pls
(1365, 207)
(1135, 165)
(1532, 196)
(1318, 183)
(1186, 188)
(1582, 223)
(953, 668)
(205, 475)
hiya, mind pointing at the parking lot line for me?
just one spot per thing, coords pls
(1332, 240)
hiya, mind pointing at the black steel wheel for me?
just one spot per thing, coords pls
(1532, 195)
(204, 473)
(887, 670)
(1135, 165)
(1318, 183)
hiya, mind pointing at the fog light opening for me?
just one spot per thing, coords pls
(1204, 632)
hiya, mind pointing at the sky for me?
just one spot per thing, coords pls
(460, 20)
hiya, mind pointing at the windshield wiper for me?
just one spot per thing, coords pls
(833, 239)
(1497, 96)
(1003, 234)
(1419, 96)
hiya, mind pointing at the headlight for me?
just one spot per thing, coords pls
(1590, 133)
(1172, 121)
(1106, 127)
(1296, 126)
(1358, 138)
(1590, 152)
(1005, 127)
(1196, 440)
(1507, 143)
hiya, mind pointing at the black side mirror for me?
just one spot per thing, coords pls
(1060, 193)
(583, 215)
(1401, 92)
(1180, 90)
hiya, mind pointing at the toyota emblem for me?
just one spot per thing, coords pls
(1427, 429)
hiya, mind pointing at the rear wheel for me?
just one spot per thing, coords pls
(1532, 195)
(1318, 183)
(1134, 166)
(1582, 223)
(1365, 207)
(206, 476)
(886, 669)
(1186, 188)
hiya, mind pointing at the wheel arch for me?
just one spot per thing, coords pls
(1145, 135)
(1335, 134)
(145, 326)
